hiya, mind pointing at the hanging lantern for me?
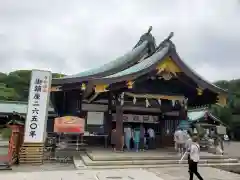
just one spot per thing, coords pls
(134, 100)
(147, 103)
(122, 102)
(122, 98)
(185, 103)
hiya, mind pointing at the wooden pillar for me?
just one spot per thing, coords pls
(162, 126)
(183, 112)
(119, 123)
(79, 105)
(64, 104)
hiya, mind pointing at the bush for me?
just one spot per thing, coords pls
(6, 133)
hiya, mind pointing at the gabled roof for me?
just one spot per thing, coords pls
(193, 74)
(198, 114)
(166, 49)
(144, 47)
(139, 69)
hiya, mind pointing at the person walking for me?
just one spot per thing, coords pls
(226, 139)
(136, 138)
(142, 138)
(113, 139)
(128, 136)
(179, 139)
(151, 141)
(193, 158)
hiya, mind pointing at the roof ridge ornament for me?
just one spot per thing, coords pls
(171, 34)
(150, 40)
(149, 30)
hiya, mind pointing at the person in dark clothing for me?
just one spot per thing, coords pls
(113, 139)
(193, 158)
(142, 137)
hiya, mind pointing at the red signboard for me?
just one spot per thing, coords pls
(69, 124)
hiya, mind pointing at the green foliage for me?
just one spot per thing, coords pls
(15, 85)
(6, 133)
(226, 113)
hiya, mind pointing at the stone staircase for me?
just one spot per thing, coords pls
(142, 160)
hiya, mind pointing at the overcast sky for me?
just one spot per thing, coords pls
(69, 36)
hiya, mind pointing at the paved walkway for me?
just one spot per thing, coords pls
(133, 174)
(181, 173)
(120, 174)
(232, 149)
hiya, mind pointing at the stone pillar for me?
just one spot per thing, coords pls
(119, 123)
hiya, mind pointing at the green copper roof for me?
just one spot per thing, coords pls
(125, 59)
(19, 107)
(195, 115)
(199, 114)
(143, 64)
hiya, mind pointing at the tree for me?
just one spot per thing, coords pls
(15, 85)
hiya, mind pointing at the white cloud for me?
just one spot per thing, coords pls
(71, 36)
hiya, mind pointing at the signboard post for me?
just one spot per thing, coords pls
(36, 119)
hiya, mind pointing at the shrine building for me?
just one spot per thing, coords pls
(150, 84)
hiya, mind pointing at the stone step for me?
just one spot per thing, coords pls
(89, 162)
(4, 166)
(222, 165)
(142, 156)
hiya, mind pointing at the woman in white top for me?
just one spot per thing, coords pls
(179, 138)
(194, 156)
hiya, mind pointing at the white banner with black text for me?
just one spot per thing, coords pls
(38, 102)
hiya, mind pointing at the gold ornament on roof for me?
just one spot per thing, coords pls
(199, 91)
(130, 84)
(83, 86)
(101, 88)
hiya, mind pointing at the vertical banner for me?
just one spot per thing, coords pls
(38, 102)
